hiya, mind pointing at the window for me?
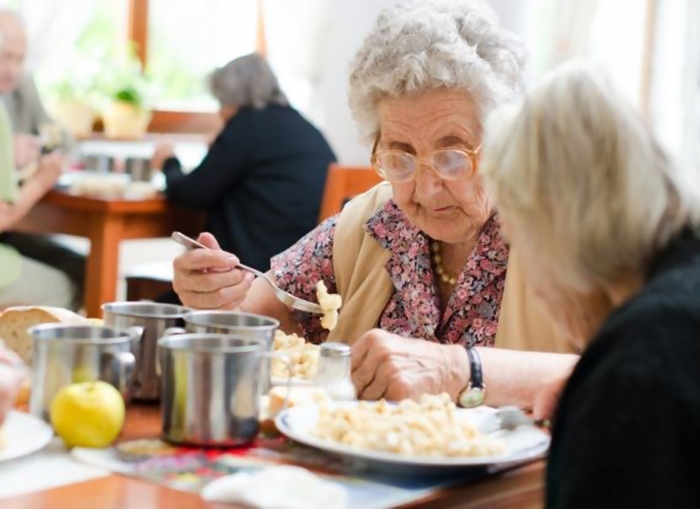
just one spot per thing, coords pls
(180, 55)
(74, 59)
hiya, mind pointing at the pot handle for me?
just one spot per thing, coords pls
(118, 369)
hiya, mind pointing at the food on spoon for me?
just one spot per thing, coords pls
(330, 303)
(429, 427)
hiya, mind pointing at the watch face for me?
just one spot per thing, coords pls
(471, 398)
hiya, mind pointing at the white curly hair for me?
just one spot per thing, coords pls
(422, 45)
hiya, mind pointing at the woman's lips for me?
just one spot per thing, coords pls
(442, 210)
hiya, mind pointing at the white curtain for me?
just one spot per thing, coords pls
(675, 84)
(297, 34)
(573, 22)
(53, 27)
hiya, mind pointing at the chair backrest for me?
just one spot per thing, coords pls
(343, 184)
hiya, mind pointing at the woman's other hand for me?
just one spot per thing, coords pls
(163, 152)
(208, 278)
(388, 366)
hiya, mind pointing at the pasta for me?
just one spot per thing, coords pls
(302, 356)
(330, 303)
(429, 427)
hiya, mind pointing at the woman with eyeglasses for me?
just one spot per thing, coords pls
(419, 260)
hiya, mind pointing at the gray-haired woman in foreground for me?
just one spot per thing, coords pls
(593, 204)
(262, 181)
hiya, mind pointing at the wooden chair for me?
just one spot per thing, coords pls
(149, 281)
(343, 184)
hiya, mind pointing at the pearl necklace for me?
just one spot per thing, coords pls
(439, 267)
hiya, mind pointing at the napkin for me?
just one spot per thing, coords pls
(278, 487)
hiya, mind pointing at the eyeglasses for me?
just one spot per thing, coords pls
(398, 166)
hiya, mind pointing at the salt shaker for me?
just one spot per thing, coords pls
(333, 373)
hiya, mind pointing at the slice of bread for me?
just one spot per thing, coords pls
(15, 321)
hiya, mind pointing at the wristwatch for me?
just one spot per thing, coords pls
(474, 393)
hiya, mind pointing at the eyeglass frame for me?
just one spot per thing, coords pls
(472, 154)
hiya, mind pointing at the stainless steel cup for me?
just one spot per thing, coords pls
(66, 354)
(139, 168)
(155, 319)
(211, 388)
(245, 325)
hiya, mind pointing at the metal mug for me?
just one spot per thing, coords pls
(211, 388)
(139, 168)
(155, 319)
(246, 325)
(66, 354)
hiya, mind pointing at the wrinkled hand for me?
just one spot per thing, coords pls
(12, 375)
(164, 151)
(388, 366)
(208, 279)
(27, 149)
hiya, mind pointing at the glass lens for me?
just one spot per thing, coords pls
(396, 166)
(452, 164)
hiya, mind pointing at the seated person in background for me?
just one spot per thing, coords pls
(27, 116)
(262, 180)
(19, 93)
(592, 203)
(23, 280)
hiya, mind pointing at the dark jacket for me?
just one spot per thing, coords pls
(627, 430)
(261, 182)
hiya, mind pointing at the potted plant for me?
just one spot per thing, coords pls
(126, 116)
(126, 113)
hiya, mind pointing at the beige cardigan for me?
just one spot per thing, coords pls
(364, 284)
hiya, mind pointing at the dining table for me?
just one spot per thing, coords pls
(520, 488)
(105, 222)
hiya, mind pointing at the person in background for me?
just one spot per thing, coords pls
(262, 180)
(592, 203)
(19, 93)
(23, 280)
(27, 116)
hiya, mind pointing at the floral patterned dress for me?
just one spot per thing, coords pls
(471, 315)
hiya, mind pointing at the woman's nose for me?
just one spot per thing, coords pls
(428, 183)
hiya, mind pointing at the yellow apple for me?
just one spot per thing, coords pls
(88, 414)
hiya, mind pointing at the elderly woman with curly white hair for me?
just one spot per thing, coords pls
(419, 260)
(593, 204)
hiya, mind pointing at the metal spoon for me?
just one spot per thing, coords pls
(286, 298)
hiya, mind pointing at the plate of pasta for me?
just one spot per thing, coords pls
(431, 435)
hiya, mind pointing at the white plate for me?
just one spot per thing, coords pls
(24, 434)
(525, 443)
